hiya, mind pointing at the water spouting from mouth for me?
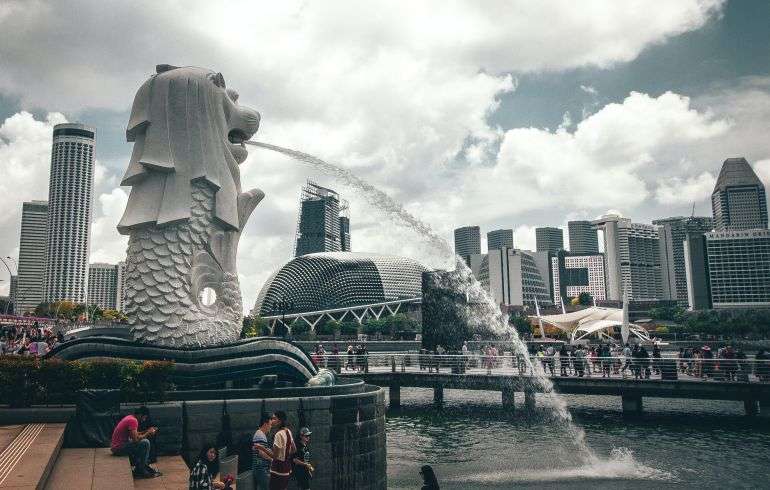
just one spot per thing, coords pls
(487, 313)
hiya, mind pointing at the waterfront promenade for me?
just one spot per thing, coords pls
(715, 379)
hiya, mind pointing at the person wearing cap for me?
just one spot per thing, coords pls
(303, 470)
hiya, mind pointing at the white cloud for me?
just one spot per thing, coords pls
(25, 158)
(604, 162)
(689, 190)
(588, 89)
(106, 244)
(293, 45)
(398, 91)
(762, 168)
(524, 237)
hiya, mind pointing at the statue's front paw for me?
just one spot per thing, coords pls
(247, 201)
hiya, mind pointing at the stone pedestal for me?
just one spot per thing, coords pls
(529, 400)
(751, 407)
(394, 393)
(632, 405)
(438, 395)
(509, 399)
(764, 408)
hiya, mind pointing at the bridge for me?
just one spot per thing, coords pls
(714, 379)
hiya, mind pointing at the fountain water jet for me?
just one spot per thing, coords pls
(490, 314)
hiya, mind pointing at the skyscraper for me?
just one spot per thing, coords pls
(13, 286)
(673, 232)
(738, 201)
(549, 239)
(467, 241)
(583, 238)
(321, 227)
(497, 239)
(631, 258)
(32, 246)
(70, 194)
(574, 274)
(103, 285)
(696, 272)
(513, 278)
(739, 268)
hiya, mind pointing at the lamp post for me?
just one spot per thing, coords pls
(284, 306)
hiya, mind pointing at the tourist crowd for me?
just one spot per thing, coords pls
(728, 363)
(354, 358)
(278, 455)
(28, 340)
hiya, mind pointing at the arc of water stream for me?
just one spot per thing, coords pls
(468, 284)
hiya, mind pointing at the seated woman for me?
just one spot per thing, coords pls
(203, 475)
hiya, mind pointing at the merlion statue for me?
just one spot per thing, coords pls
(186, 210)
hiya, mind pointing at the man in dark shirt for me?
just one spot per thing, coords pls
(303, 470)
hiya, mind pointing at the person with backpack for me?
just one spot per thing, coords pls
(284, 449)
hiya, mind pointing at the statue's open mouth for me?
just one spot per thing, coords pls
(237, 137)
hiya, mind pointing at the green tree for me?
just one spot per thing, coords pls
(521, 323)
(349, 328)
(300, 329)
(254, 326)
(329, 327)
(373, 326)
(585, 299)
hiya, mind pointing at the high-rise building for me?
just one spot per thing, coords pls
(120, 297)
(549, 239)
(467, 241)
(631, 258)
(738, 201)
(543, 263)
(103, 285)
(497, 239)
(324, 225)
(583, 238)
(12, 288)
(739, 268)
(696, 271)
(514, 278)
(32, 248)
(70, 195)
(345, 233)
(574, 274)
(672, 233)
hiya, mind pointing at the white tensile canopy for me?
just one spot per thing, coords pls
(592, 320)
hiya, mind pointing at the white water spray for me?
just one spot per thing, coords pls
(485, 313)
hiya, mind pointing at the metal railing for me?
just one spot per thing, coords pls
(619, 367)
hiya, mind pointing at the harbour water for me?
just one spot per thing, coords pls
(472, 442)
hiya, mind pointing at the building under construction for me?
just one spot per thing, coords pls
(324, 221)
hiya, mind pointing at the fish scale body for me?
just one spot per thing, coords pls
(167, 268)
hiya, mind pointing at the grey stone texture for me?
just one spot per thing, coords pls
(348, 442)
(186, 210)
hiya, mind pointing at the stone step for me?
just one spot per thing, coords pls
(176, 475)
(26, 462)
(7, 434)
(90, 468)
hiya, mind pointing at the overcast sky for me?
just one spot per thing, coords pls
(501, 114)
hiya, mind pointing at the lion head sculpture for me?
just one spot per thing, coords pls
(186, 210)
(186, 126)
